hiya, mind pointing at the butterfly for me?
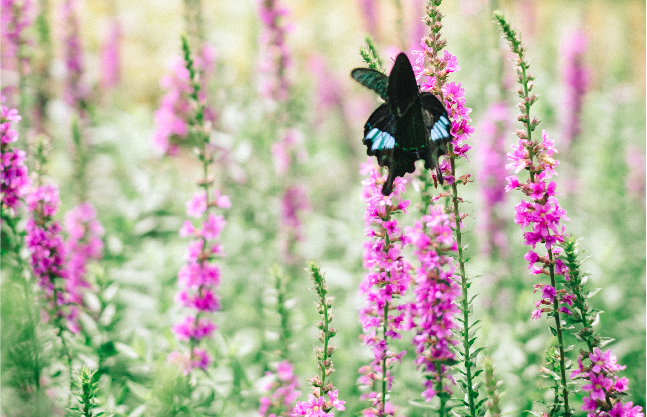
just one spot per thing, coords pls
(409, 126)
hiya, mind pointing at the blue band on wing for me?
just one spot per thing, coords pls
(380, 140)
(439, 131)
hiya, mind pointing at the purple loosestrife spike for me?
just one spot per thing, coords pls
(293, 203)
(432, 312)
(491, 176)
(77, 92)
(47, 255)
(576, 78)
(172, 126)
(387, 279)
(199, 278)
(83, 244)
(273, 82)
(16, 16)
(14, 179)
(282, 392)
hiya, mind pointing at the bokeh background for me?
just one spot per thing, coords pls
(140, 195)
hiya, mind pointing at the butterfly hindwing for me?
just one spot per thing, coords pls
(372, 79)
(402, 89)
(379, 134)
(438, 128)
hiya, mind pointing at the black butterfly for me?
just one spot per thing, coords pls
(411, 125)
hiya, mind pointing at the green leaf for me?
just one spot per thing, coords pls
(553, 330)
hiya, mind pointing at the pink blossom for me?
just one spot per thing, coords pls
(77, 92)
(492, 177)
(47, 255)
(200, 276)
(283, 392)
(576, 77)
(174, 115)
(16, 17)
(14, 179)
(273, 82)
(84, 243)
(110, 56)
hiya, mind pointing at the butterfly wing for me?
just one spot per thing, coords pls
(402, 89)
(379, 134)
(438, 128)
(372, 79)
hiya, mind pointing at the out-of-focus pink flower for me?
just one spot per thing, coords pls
(273, 80)
(282, 392)
(173, 116)
(635, 180)
(111, 57)
(83, 244)
(16, 16)
(576, 78)
(76, 91)
(491, 177)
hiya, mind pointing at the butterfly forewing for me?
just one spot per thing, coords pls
(402, 89)
(372, 79)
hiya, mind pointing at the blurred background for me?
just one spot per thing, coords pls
(597, 119)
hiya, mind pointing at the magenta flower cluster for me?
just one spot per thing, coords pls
(199, 277)
(491, 176)
(315, 406)
(174, 116)
(543, 213)
(83, 244)
(274, 83)
(14, 179)
(76, 91)
(47, 255)
(431, 314)
(283, 391)
(388, 278)
(603, 387)
(576, 78)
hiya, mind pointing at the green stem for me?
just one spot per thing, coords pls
(325, 347)
(464, 287)
(385, 313)
(558, 326)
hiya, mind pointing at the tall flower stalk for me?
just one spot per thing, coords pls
(605, 391)
(436, 72)
(386, 280)
(432, 312)
(317, 405)
(543, 212)
(282, 390)
(200, 276)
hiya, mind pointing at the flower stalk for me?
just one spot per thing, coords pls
(451, 94)
(316, 404)
(544, 213)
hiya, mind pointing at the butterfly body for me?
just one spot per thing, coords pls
(409, 126)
